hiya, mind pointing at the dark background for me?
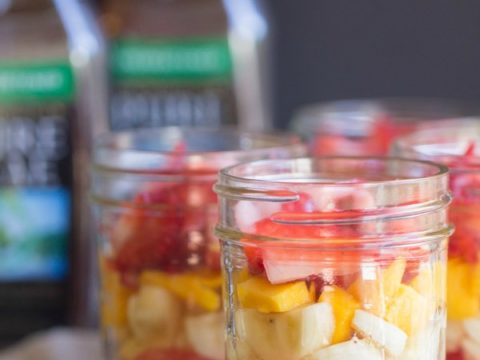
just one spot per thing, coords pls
(338, 49)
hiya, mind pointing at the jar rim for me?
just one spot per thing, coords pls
(140, 151)
(366, 112)
(226, 173)
(449, 145)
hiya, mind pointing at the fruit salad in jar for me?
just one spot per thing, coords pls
(337, 271)
(457, 147)
(160, 276)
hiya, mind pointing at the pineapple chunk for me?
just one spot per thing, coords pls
(461, 303)
(475, 279)
(408, 310)
(193, 288)
(431, 284)
(344, 306)
(114, 297)
(258, 293)
(374, 294)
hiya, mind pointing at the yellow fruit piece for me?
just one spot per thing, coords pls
(475, 279)
(258, 293)
(375, 293)
(430, 282)
(344, 306)
(408, 310)
(461, 303)
(114, 297)
(190, 287)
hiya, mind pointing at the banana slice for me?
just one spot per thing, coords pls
(472, 328)
(351, 349)
(471, 349)
(286, 336)
(155, 312)
(206, 334)
(454, 335)
(423, 346)
(382, 333)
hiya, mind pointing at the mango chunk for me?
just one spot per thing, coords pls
(114, 296)
(193, 288)
(461, 303)
(408, 310)
(344, 306)
(475, 279)
(258, 293)
(430, 282)
(375, 287)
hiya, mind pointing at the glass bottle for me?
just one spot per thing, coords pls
(187, 63)
(50, 89)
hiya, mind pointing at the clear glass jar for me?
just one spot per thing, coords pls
(334, 258)
(458, 147)
(159, 260)
(368, 127)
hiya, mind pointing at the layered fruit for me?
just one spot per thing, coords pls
(329, 294)
(160, 274)
(463, 283)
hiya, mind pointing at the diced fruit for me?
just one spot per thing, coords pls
(475, 279)
(206, 334)
(382, 333)
(154, 312)
(423, 346)
(471, 349)
(472, 329)
(461, 304)
(114, 297)
(454, 335)
(408, 310)
(190, 287)
(286, 336)
(344, 306)
(375, 287)
(258, 293)
(248, 213)
(238, 349)
(352, 349)
(170, 354)
(430, 283)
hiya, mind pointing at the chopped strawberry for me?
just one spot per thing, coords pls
(283, 262)
(169, 354)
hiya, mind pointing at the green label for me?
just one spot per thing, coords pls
(194, 59)
(39, 82)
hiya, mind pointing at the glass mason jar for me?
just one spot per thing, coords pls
(159, 260)
(367, 127)
(458, 147)
(334, 258)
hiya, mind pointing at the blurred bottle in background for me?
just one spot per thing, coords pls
(187, 62)
(51, 65)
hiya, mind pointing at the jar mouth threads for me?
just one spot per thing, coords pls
(175, 151)
(456, 144)
(378, 197)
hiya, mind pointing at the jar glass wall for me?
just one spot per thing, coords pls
(458, 147)
(159, 260)
(368, 127)
(334, 258)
